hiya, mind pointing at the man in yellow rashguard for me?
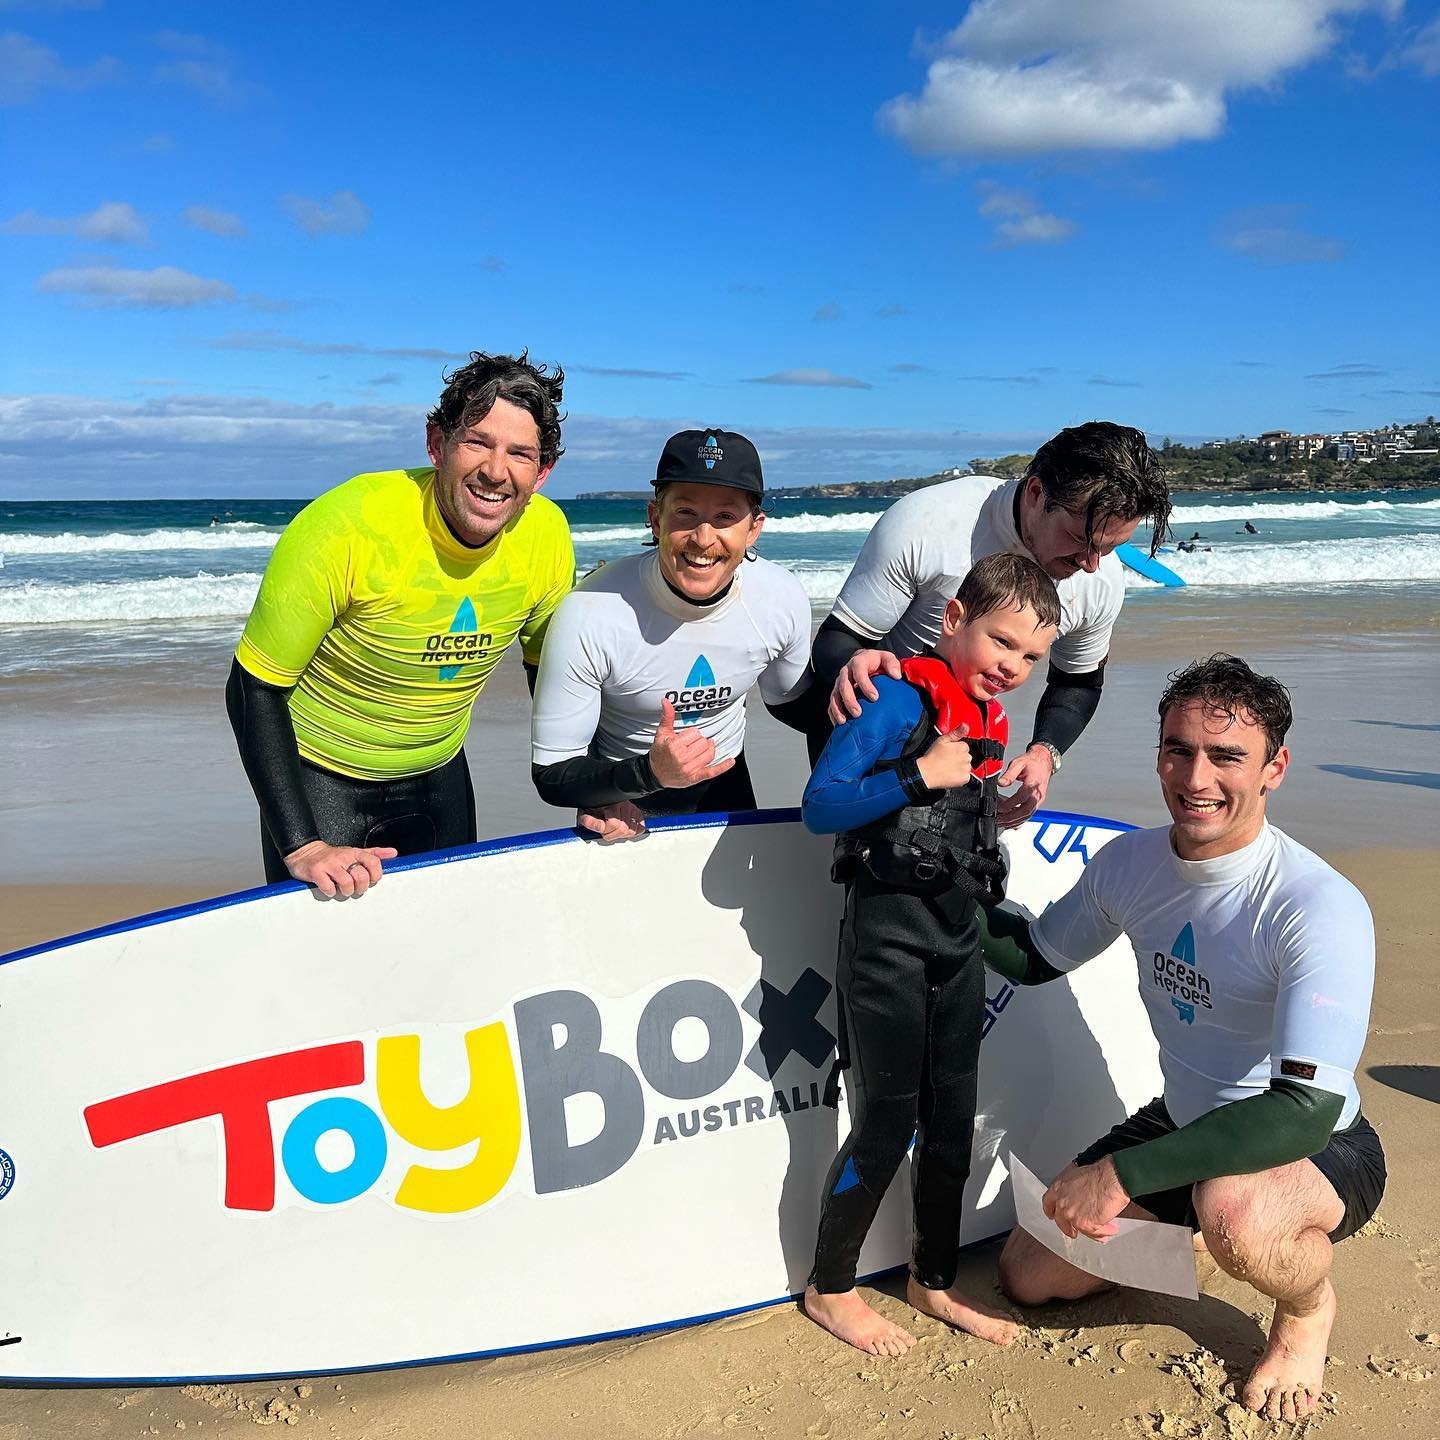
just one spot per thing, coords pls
(385, 606)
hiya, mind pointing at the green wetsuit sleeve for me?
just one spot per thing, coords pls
(1285, 1123)
(1006, 945)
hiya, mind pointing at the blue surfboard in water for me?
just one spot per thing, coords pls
(1143, 564)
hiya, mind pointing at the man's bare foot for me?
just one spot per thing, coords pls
(847, 1317)
(956, 1308)
(1289, 1377)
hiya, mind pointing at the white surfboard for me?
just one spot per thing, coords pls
(524, 1094)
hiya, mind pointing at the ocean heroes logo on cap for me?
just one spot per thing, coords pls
(711, 457)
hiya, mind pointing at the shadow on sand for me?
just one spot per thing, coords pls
(1422, 779)
(1420, 1080)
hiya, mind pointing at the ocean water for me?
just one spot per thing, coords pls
(143, 582)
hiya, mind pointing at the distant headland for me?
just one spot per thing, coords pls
(1397, 457)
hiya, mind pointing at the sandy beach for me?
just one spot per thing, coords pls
(122, 794)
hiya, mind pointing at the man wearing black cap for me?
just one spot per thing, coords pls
(640, 704)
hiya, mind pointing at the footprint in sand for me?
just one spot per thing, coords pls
(1136, 1352)
(1010, 1418)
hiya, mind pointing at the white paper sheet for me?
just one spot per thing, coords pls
(1145, 1255)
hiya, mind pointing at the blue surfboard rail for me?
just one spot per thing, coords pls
(1142, 564)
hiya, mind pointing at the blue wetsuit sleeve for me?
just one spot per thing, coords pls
(846, 791)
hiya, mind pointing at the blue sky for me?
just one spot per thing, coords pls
(235, 259)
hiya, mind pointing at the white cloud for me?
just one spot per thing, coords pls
(824, 379)
(1019, 220)
(1031, 76)
(218, 222)
(274, 341)
(203, 66)
(27, 68)
(1423, 52)
(164, 288)
(344, 213)
(237, 445)
(1271, 237)
(113, 223)
(209, 78)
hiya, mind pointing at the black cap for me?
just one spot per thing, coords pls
(711, 457)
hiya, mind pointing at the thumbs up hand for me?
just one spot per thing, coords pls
(947, 763)
(683, 757)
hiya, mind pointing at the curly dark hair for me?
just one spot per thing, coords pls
(1226, 685)
(1105, 472)
(1009, 581)
(472, 390)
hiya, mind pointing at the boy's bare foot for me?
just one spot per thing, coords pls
(1288, 1378)
(956, 1308)
(847, 1317)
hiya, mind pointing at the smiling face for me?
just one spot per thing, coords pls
(1056, 538)
(486, 472)
(996, 652)
(703, 532)
(1215, 777)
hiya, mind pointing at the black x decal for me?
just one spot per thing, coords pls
(788, 1023)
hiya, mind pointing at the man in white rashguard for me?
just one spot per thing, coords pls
(640, 702)
(1085, 492)
(1256, 965)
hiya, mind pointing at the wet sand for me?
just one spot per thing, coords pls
(130, 775)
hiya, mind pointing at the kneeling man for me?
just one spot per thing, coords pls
(1256, 965)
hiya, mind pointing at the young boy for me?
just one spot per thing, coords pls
(909, 787)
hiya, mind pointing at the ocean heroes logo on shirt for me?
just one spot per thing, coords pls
(464, 640)
(699, 693)
(1178, 973)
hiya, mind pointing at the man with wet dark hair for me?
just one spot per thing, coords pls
(1085, 492)
(385, 606)
(1256, 964)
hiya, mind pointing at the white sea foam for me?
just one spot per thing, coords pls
(242, 536)
(821, 582)
(607, 534)
(192, 597)
(1308, 562)
(854, 522)
(1298, 510)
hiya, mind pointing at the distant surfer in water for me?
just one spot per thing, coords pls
(385, 606)
(640, 703)
(909, 786)
(1256, 964)
(1249, 529)
(1087, 490)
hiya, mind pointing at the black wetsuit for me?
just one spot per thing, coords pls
(911, 988)
(300, 802)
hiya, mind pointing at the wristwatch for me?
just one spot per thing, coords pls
(1055, 759)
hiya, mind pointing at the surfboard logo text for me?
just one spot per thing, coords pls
(588, 1103)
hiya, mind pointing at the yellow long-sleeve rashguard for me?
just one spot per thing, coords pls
(387, 627)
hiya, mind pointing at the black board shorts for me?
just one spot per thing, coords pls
(1352, 1162)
